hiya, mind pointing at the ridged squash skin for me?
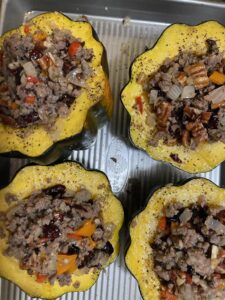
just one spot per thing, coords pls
(175, 38)
(73, 176)
(143, 228)
(90, 110)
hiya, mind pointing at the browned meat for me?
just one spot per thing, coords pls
(42, 76)
(44, 232)
(189, 253)
(188, 104)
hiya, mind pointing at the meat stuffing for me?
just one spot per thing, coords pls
(189, 252)
(41, 76)
(187, 96)
(56, 232)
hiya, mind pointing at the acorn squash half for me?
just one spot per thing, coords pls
(89, 111)
(143, 228)
(175, 38)
(73, 176)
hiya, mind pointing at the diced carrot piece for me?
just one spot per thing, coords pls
(13, 105)
(217, 78)
(87, 229)
(173, 225)
(39, 36)
(26, 28)
(29, 99)
(166, 295)
(73, 47)
(33, 79)
(139, 104)
(92, 243)
(162, 224)
(188, 279)
(66, 263)
(40, 278)
(74, 236)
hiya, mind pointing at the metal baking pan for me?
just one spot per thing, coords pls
(126, 28)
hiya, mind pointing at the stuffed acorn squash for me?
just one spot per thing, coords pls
(175, 97)
(54, 90)
(177, 243)
(59, 226)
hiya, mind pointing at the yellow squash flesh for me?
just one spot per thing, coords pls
(143, 228)
(176, 37)
(36, 140)
(73, 176)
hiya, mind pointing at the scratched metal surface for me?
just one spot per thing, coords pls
(131, 172)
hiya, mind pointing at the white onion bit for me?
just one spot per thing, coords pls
(153, 96)
(215, 225)
(174, 92)
(30, 69)
(188, 92)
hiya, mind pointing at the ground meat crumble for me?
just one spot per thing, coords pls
(189, 252)
(187, 98)
(56, 232)
(41, 76)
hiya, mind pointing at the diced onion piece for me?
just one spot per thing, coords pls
(215, 225)
(30, 69)
(153, 96)
(174, 92)
(217, 95)
(180, 281)
(215, 251)
(185, 216)
(188, 92)
(23, 79)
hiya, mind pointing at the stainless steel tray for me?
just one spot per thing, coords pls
(126, 29)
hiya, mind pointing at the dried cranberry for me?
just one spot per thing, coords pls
(16, 72)
(73, 250)
(4, 110)
(212, 46)
(7, 120)
(36, 53)
(67, 43)
(190, 270)
(67, 67)
(67, 99)
(108, 248)
(58, 217)
(209, 252)
(86, 260)
(55, 191)
(25, 120)
(199, 212)
(36, 250)
(164, 68)
(213, 121)
(175, 218)
(178, 114)
(51, 231)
